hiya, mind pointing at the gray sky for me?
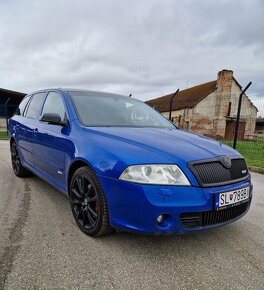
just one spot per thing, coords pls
(147, 47)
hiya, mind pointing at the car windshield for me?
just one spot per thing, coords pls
(108, 110)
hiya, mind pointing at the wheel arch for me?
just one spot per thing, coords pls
(76, 164)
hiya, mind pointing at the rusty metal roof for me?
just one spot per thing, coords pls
(184, 99)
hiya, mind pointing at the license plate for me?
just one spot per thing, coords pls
(232, 197)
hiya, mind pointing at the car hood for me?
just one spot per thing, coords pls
(172, 144)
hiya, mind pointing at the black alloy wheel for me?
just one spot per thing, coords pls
(18, 168)
(88, 203)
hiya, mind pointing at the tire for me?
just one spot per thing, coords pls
(88, 203)
(18, 168)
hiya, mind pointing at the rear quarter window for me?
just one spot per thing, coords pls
(21, 108)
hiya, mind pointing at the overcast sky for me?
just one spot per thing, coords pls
(148, 48)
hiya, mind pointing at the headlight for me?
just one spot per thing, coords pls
(155, 174)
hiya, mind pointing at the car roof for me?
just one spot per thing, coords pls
(77, 90)
(92, 91)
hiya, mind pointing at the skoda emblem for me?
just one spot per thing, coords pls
(227, 162)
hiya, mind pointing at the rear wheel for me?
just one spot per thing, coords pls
(88, 203)
(18, 168)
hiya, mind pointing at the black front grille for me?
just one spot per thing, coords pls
(213, 172)
(202, 219)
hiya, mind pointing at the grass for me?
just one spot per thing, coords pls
(3, 135)
(253, 151)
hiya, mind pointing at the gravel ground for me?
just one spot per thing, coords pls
(42, 248)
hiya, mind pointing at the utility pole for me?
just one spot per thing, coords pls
(238, 114)
(171, 102)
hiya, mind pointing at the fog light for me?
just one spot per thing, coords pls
(160, 219)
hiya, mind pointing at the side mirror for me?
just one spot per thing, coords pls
(53, 119)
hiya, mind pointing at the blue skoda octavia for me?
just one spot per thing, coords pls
(124, 166)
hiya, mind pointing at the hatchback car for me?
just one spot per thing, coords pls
(124, 166)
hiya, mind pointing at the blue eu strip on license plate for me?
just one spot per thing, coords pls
(230, 198)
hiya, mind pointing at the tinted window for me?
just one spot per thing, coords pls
(35, 105)
(21, 108)
(101, 109)
(54, 104)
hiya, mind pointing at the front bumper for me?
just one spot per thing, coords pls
(135, 207)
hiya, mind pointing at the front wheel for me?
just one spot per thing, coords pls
(88, 203)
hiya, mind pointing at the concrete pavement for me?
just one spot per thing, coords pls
(42, 248)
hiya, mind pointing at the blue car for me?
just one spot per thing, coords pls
(124, 166)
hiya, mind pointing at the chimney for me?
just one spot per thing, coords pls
(224, 81)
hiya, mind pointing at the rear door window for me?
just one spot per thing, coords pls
(35, 105)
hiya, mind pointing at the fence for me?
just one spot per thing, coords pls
(216, 118)
(253, 148)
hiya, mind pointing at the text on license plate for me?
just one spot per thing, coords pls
(232, 197)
